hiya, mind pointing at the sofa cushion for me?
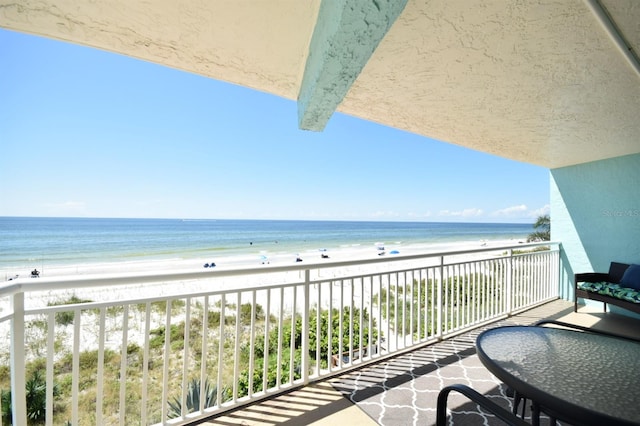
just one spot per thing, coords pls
(631, 277)
(613, 290)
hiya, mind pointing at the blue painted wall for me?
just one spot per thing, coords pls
(595, 213)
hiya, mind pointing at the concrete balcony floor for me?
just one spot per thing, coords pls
(403, 390)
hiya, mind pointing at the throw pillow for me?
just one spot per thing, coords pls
(631, 277)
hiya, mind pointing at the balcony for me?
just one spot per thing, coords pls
(185, 347)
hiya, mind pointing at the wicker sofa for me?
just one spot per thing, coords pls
(620, 286)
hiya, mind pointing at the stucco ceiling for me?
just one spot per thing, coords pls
(534, 81)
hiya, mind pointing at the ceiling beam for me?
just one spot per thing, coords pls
(614, 33)
(345, 36)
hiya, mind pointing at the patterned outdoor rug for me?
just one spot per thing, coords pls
(404, 390)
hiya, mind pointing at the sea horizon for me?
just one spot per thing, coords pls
(258, 219)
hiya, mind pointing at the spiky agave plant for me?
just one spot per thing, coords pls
(36, 389)
(193, 398)
(5, 402)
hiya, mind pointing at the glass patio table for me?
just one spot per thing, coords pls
(579, 377)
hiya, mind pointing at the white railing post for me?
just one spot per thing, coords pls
(439, 298)
(556, 277)
(304, 358)
(18, 372)
(509, 276)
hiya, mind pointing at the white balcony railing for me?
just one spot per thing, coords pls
(175, 348)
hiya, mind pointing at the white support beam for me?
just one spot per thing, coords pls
(346, 34)
(614, 33)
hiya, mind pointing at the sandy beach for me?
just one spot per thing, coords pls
(338, 254)
(322, 268)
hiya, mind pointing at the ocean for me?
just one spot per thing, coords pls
(31, 242)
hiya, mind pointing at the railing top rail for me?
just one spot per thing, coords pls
(27, 284)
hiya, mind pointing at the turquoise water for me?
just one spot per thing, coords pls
(26, 242)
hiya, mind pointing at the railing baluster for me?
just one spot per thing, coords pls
(462, 279)
(123, 363)
(473, 294)
(166, 360)
(487, 295)
(221, 357)
(361, 324)
(252, 342)
(51, 321)
(420, 310)
(440, 305)
(75, 367)
(388, 311)
(533, 273)
(406, 315)
(434, 275)
(318, 359)
(376, 283)
(494, 282)
(305, 346)
(351, 292)
(465, 293)
(520, 271)
(185, 352)
(510, 282)
(396, 296)
(370, 344)
(527, 270)
(460, 287)
(541, 275)
(265, 356)
(145, 362)
(341, 324)
(279, 348)
(330, 329)
(292, 336)
(204, 350)
(236, 360)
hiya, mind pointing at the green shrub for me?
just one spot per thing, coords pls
(36, 389)
(66, 317)
(176, 337)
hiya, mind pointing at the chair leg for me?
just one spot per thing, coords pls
(517, 398)
(535, 409)
(535, 414)
(516, 403)
(481, 400)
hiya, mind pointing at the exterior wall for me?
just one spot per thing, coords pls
(595, 213)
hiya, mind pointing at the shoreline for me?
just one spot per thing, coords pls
(243, 284)
(250, 260)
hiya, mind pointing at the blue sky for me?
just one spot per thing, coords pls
(86, 133)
